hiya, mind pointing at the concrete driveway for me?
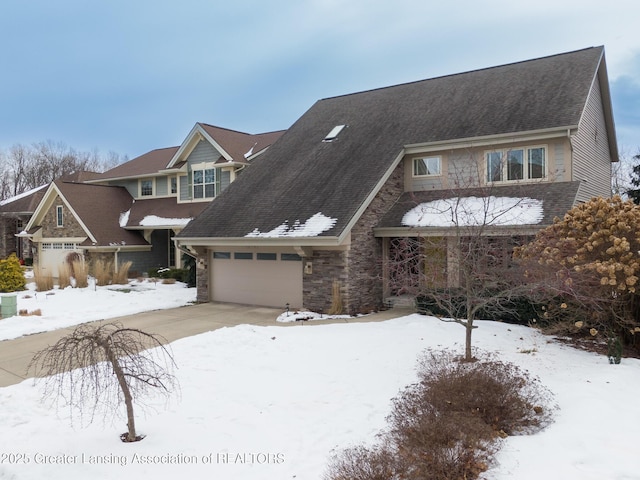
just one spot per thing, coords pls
(172, 324)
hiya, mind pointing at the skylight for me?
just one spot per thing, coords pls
(333, 133)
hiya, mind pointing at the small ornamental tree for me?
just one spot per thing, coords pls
(591, 258)
(11, 275)
(101, 367)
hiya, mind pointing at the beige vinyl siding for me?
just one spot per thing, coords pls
(591, 156)
(561, 160)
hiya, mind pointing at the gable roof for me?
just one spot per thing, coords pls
(97, 208)
(555, 198)
(241, 146)
(301, 175)
(147, 164)
(24, 203)
(233, 146)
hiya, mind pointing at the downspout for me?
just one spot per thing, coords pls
(571, 148)
(116, 259)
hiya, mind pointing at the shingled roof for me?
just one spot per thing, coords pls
(301, 175)
(148, 164)
(240, 145)
(24, 203)
(100, 207)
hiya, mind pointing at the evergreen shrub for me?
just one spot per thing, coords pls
(11, 275)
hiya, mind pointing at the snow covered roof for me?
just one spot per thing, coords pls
(312, 227)
(24, 203)
(475, 211)
(160, 212)
(503, 206)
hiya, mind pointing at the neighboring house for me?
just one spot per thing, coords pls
(131, 212)
(15, 213)
(323, 205)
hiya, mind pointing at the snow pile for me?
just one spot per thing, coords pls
(156, 221)
(475, 211)
(313, 227)
(305, 315)
(124, 218)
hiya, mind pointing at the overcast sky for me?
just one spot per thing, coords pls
(132, 75)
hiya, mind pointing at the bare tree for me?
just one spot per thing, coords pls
(26, 167)
(105, 365)
(458, 260)
(622, 172)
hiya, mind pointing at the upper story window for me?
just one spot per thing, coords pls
(204, 183)
(146, 188)
(427, 166)
(527, 163)
(59, 216)
(174, 185)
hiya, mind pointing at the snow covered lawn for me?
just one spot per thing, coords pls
(274, 402)
(72, 306)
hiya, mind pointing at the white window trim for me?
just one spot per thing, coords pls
(59, 216)
(413, 163)
(153, 187)
(202, 167)
(505, 165)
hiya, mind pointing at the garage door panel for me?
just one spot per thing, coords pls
(257, 282)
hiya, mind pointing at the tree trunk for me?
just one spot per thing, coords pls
(122, 381)
(467, 344)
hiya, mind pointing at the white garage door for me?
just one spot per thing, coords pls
(268, 278)
(53, 254)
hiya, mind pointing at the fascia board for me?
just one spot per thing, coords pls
(371, 196)
(259, 242)
(490, 140)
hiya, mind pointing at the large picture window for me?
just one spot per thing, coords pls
(527, 163)
(204, 183)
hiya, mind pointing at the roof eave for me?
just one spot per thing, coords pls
(451, 231)
(492, 140)
(128, 177)
(171, 226)
(259, 241)
(117, 248)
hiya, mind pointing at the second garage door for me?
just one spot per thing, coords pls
(268, 278)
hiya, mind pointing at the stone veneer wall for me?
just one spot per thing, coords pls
(365, 289)
(7, 238)
(317, 287)
(202, 276)
(358, 269)
(71, 226)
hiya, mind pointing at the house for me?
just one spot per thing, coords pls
(15, 213)
(131, 212)
(320, 209)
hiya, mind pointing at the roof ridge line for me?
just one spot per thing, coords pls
(461, 73)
